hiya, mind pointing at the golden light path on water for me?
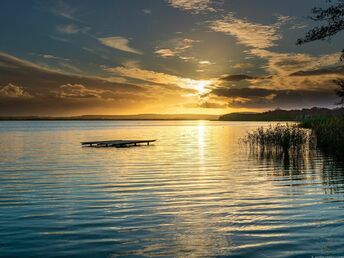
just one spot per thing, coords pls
(196, 192)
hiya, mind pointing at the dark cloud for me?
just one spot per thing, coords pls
(339, 70)
(266, 98)
(241, 77)
(28, 89)
(31, 76)
(243, 92)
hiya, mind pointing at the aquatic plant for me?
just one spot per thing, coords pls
(279, 138)
(329, 132)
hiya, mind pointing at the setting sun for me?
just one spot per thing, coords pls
(201, 86)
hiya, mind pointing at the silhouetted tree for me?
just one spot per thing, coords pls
(333, 17)
(340, 91)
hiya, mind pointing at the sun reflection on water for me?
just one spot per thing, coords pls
(201, 140)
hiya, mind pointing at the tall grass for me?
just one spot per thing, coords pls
(279, 138)
(329, 132)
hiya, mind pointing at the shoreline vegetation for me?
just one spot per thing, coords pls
(280, 140)
(285, 115)
(329, 132)
(326, 125)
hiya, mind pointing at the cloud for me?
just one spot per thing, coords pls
(287, 63)
(159, 78)
(69, 68)
(147, 11)
(269, 98)
(208, 104)
(165, 52)
(119, 43)
(13, 91)
(146, 75)
(59, 39)
(299, 26)
(64, 10)
(39, 78)
(247, 33)
(243, 66)
(42, 93)
(238, 77)
(205, 62)
(338, 70)
(294, 80)
(194, 6)
(79, 91)
(45, 91)
(49, 56)
(244, 77)
(176, 47)
(131, 63)
(285, 71)
(71, 29)
(283, 19)
(291, 70)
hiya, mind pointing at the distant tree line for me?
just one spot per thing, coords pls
(285, 115)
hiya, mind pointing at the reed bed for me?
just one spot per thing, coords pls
(329, 132)
(284, 139)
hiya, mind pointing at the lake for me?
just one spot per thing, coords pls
(196, 192)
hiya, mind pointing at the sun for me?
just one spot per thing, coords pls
(201, 86)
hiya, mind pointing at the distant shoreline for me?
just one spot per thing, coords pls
(66, 119)
(277, 115)
(139, 117)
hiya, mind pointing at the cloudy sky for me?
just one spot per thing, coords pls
(72, 57)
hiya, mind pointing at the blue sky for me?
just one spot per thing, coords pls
(162, 56)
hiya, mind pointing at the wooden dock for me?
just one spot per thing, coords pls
(116, 143)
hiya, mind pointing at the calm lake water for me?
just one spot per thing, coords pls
(195, 192)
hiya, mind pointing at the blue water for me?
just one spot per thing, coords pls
(196, 192)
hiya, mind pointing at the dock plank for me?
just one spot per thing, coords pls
(116, 143)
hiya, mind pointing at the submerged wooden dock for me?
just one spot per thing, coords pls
(116, 143)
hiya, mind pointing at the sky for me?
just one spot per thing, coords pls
(73, 57)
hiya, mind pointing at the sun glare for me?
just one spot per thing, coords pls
(201, 85)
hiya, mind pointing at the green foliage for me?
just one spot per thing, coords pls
(279, 138)
(329, 132)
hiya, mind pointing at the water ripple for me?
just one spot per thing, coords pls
(196, 192)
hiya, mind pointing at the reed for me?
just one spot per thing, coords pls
(329, 132)
(279, 138)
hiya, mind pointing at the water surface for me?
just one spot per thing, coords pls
(196, 192)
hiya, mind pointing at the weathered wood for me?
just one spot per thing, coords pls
(116, 143)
